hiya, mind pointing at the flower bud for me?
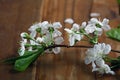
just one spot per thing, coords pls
(25, 35)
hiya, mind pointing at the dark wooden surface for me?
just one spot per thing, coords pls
(17, 15)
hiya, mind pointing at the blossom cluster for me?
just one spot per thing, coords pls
(94, 27)
(96, 56)
(43, 33)
(47, 34)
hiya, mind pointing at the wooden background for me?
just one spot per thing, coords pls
(17, 15)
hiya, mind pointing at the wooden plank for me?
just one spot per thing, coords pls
(7, 73)
(69, 64)
(15, 17)
(7, 27)
(106, 8)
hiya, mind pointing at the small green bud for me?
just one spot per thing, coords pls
(94, 40)
(25, 35)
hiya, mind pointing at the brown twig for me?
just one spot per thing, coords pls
(76, 46)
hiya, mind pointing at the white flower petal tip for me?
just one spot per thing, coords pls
(56, 50)
(75, 27)
(57, 25)
(83, 25)
(94, 14)
(44, 23)
(68, 30)
(39, 39)
(24, 34)
(69, 20)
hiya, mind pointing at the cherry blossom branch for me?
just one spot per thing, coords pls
(76, 46)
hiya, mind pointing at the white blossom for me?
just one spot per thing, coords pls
(95, 25)
(44, 27)
(22, 48)
(32, 29)
(83, 25)
(75, 27)
(73, 36)
(57, 25)
(90, 28)
(57, 41)
(95, 56)
(105, 22)
(69, 20)
(47, 39)
(104, 69)
(98, 51)
(95, 21)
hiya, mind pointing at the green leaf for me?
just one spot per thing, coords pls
(118, 1)
(114, 33)
(22, 63)
(115, 63)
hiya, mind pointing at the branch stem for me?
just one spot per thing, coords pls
(76, 46)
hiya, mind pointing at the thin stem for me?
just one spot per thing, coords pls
(115, 51)
(88, 36)
(67, 46)
(76, 46)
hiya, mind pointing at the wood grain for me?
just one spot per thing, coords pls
(17, 15)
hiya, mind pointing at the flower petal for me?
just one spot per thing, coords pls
(83, 24)
(56, 33)
(107, 49)
(33, 34)
(59, 40)
(75, 27)
(88, 60)
(77, 37)
(56, 50)
(100, 62)
(90, 28)
(68, 30)
(71, 40)
(57, 25)
(69, 20)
